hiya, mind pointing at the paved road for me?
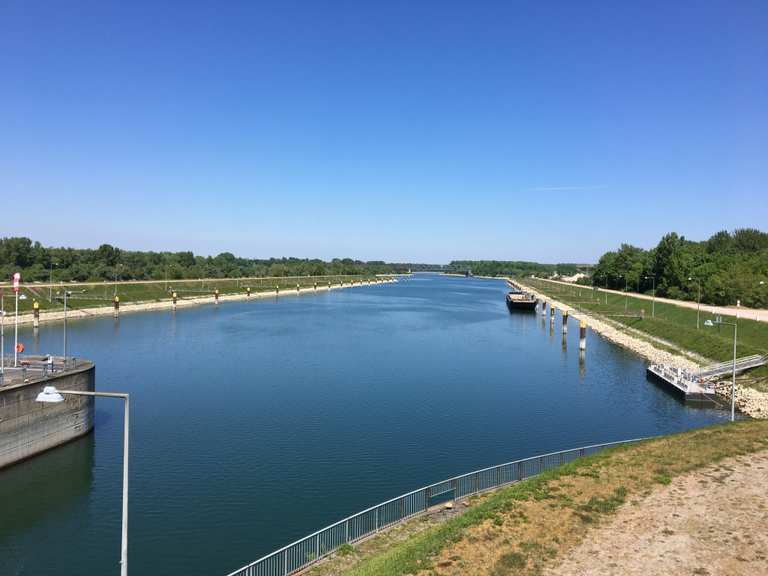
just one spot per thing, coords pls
(761, 315)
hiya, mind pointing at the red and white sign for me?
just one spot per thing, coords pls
(16, 281)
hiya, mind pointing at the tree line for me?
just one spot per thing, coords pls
(517, 268)
(40, 263)
(723, 269)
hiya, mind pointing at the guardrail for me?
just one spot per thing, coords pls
(308, 550)
(724, 367)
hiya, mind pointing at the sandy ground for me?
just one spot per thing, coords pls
(713, 522)
(761, 315)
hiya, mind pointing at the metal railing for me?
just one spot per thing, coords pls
(308, 550)
(725, 367)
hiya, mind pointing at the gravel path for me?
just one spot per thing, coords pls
(713, 522)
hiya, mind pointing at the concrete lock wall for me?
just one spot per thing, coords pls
(28, 427)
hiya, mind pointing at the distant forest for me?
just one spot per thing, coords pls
(513, 268)
(37, 263)
(728, 267)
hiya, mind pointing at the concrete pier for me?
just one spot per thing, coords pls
(691, 387)
(28, 427)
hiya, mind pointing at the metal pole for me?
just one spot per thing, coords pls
(626, 294)
(124, 538)
(50, 285)
(653, 304)
(65, 328)
(2, 334)
(733, 376)
(16, 333)
(698, 306)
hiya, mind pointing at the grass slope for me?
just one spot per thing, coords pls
(519, 529)
(672, 323)
(102, 294)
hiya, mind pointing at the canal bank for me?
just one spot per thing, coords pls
(256, 423)
(641, 345)
(183, 302)
(749, 401)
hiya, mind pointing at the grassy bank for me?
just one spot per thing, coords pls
(520, 529)
(93, 295)
(674, 324)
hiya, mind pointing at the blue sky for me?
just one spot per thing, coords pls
(418, 131)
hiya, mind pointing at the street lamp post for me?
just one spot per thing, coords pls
(51, 394)
(66, 293)
(733, 375)
(698, 300)
(653, 299)
(117, 267)
(50, 283)
(2, 335)
(626, 294)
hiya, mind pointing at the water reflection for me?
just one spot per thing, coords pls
(38, 490)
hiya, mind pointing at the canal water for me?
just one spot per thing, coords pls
(255, 423)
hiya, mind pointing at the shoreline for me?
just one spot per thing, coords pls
(619, 337)
(749, 401)
(108, 310)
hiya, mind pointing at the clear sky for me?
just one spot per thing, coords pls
(403, 131)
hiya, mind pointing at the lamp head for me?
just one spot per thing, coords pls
(50, 394)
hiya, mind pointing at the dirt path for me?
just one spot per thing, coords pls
(709, 523)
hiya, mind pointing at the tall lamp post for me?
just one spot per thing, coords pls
(605, 277)
(50, 283)
(626, 294)
(698, 300)
(653, 300)
(16, 288)
(2, 336)
(735, 325)
(117, 267)
(51, 395)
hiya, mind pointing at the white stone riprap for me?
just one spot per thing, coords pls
(748, 400)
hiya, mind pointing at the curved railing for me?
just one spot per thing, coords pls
(308, 550)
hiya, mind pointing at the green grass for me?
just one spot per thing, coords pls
(90, 295)
(675, 324)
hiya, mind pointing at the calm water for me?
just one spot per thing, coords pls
(256, 423)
